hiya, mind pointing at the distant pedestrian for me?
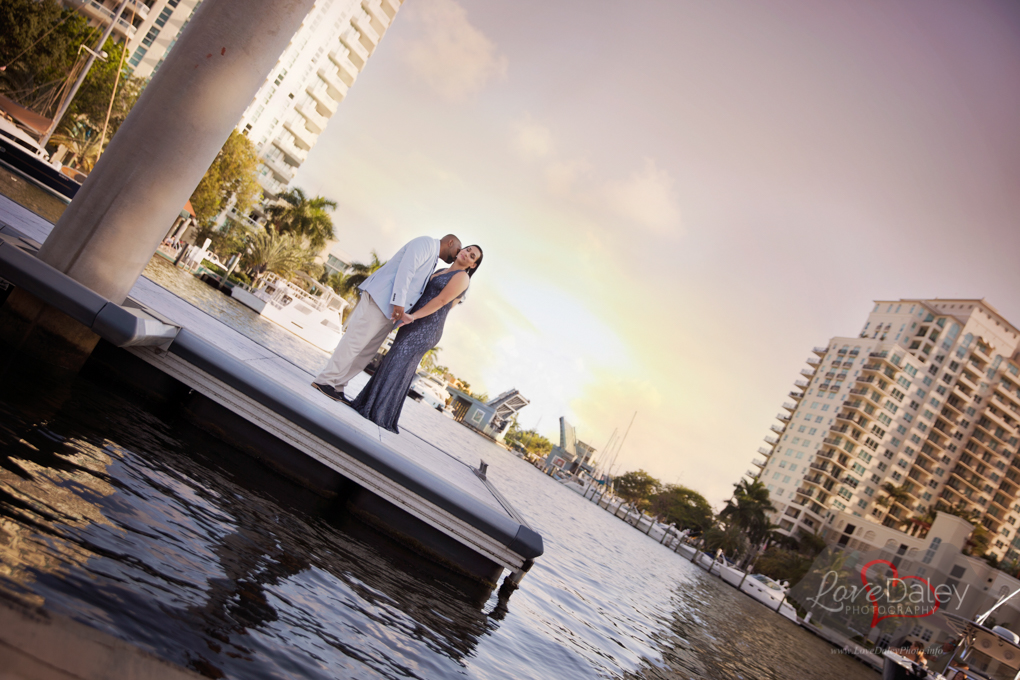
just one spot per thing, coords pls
(385, 295)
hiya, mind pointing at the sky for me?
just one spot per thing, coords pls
(678, 199)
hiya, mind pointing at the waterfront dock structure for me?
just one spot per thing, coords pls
(265, 405)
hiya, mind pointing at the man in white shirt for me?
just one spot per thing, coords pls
(385, 295)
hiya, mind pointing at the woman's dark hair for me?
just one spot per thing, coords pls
(471, 272)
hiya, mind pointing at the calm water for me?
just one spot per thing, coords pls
(128, 519)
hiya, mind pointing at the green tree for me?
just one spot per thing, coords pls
(40, 49)
(356, 275)
(232, 174)
(749, 509)
(429, 359)
(636, 486)
(532, 441)
(728, 538)
(230, 240)
(269, 251)
(684, 507)
(96, 95)
(296, 213)
(346, 283)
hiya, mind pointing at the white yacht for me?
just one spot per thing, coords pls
(22, 153)
(314, 318)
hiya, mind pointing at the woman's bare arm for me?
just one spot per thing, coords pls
(454, 287)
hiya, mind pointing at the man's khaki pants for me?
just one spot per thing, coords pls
(366, 330)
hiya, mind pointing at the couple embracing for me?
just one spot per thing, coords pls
(408, 280)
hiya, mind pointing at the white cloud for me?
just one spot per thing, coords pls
(532, 140)
(452, 56)
(647, 197)
(562, 177)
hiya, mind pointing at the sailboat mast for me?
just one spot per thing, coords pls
(81, 76)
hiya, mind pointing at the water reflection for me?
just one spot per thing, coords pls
(716, 632)
(241, 570)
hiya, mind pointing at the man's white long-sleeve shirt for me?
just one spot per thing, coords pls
(401, 281)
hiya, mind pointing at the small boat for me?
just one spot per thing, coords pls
(426, 388)
(314, 318)
(990, 653)
(21, 153)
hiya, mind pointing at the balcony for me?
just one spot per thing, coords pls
(298, 156)
(380, 20)
(820, 351)
(369, 36)
(96, 10)
(351, 39)
(390, 7)
(322, 97)
(758, 462)
(304, 136)
(814, 361)
(807, 373)
(764, 451)
(336, 88)
(790, 406)
(778, 429)
(313, 121)
(346, 70)
(772, 440)
(797, 395)
(800, 383)
(281, 171)
(783, 417)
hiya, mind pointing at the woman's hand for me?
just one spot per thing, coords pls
(405, 320)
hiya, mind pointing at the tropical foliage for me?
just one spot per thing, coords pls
(306, 218)
(681, 506)
(232, 175)
(40, 50)
(749, 509)
(530, 440)
(269, 251)
(636, 487)
(729, 539)
(346, 283)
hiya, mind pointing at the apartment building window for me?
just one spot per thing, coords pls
(136, 58)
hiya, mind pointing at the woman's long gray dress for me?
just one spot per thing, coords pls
(382, 398)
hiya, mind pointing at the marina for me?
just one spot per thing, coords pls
(243, 392)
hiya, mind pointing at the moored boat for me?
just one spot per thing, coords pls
(314, 318)
(21, 153)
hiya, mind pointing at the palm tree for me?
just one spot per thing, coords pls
(346, 283)
(430, 360)
(82, 143)
(296, 213)
(749, 509)
(269, 251)
(356, 275)
(729, 538)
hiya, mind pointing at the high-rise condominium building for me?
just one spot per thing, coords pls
(303, 90)
(926, 399)
(312, 77)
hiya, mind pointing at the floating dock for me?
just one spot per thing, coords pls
(260, 402)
